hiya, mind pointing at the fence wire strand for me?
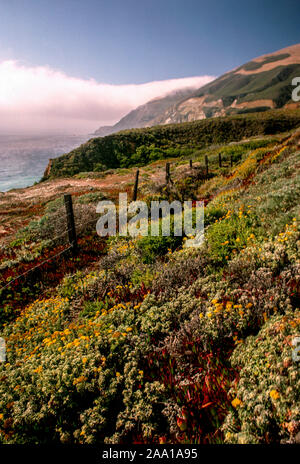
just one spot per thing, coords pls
(35, 267)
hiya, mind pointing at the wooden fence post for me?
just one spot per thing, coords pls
(206, 164)
(136, 184)
(168, 177)
(220, 160)
(191, 164)
(71, 222)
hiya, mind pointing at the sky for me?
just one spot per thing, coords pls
(73, 65)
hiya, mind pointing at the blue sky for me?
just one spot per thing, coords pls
(136, 41)
(73, 65)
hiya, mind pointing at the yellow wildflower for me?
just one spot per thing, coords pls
(79, 380)
(274, 394)
(236, 402)
(38, 369)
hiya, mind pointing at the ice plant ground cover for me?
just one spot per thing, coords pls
(158, 343)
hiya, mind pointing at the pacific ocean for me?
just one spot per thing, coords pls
(24, 158)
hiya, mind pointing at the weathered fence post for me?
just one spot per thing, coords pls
(220, 160)
(136, 184)
(71, 222)
(168, 177)
(206, 165)
(191, 164)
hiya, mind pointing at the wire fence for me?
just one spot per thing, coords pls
(69, 224)
(35, 267)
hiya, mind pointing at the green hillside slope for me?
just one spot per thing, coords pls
(274, 84)
(138, 147)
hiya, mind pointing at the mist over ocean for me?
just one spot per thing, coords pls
(23, 158)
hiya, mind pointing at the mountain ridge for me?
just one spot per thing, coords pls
(260, 84)
(140, 116)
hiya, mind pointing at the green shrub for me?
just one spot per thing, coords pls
(230, 234)
(212, 214)
(99, 167)
(153, 247)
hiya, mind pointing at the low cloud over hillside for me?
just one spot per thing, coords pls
(43, 99)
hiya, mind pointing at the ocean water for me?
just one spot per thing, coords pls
(24, 158)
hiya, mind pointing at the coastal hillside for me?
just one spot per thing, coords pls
(259, 85)
(141, 146)
(144, 115)
(142, 339)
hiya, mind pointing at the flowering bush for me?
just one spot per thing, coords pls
(230, 234)
(266, 398)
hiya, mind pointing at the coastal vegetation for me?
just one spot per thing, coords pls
(143, 340)
(138, 147)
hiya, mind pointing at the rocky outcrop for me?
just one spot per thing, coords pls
(48, 169)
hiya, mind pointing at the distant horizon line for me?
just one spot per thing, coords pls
(43, 134)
